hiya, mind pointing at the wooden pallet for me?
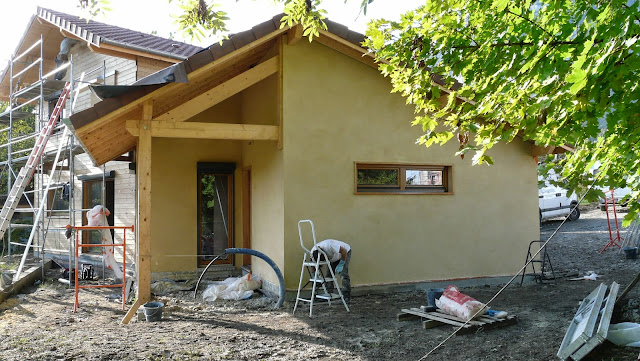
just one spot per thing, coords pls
(439, 318)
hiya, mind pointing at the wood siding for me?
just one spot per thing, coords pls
(119, 71)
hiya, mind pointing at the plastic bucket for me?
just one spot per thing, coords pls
(153, 311)
(433, 294)
(631, 252)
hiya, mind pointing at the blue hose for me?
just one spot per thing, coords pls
(257, 254)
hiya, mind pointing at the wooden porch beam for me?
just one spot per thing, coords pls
(169, 88)
(537, 150)
(347, 48)
(279, 90)
(221, 92)
(294, 34)
(143, 262)
(192, 130)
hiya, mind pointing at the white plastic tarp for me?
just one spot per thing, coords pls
(97, 217)
(233, 288)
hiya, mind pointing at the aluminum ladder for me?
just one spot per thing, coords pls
(316, 276)
(26, 173)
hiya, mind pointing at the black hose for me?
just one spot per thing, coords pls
(252, 253)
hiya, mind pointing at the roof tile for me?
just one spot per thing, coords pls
(95, 32)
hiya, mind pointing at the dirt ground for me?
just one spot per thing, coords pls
(40, 324)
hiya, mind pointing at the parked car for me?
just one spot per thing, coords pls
(553, 202)
(618, 195)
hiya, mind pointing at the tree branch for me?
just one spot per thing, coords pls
(522, 43)
(530, 21)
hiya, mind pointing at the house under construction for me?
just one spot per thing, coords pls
(56, 60)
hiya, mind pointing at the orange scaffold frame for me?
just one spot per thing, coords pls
(124, 260)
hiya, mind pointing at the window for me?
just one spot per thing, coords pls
(58, 200)
(373, 178)
(91, 197)
(215, 215)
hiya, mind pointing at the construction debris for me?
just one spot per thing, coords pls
(625, 334)
(439, 318)
(596, 309)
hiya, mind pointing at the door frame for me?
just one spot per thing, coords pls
(220, 169)
(246, 213)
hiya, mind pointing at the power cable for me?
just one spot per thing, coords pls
(518, 273)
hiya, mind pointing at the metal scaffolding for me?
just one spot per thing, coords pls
(28, 109)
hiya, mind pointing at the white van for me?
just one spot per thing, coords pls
(553, 202)
(618, 195)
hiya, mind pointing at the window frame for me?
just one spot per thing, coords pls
(51, 210)
(109, 202)
(216, 169)
(401, 187)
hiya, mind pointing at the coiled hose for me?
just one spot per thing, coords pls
(252, 253)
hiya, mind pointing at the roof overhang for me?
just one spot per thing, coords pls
(52, 31)
(102, 129)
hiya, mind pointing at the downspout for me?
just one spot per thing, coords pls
(63, 56)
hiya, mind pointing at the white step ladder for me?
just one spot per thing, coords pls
(316, 276)
(26, 173)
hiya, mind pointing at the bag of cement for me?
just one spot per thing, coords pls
(233, 288)
(625, 334)
(460, 305)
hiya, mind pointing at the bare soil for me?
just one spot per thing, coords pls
(40, 324)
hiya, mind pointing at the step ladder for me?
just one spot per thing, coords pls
(26, 173)
(544, 261)
(614, 236)
(317, 278)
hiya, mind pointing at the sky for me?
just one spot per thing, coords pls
(155, 15)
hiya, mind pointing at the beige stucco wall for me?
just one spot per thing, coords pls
(267, 186)
(174, 232)
(338, 111)
(174, 184)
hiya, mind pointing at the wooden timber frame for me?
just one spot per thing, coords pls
(159, 118)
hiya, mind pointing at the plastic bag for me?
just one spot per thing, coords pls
(625, 334)
(97, 217)
(232, 288)
(460, 305)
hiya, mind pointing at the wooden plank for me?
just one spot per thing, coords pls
(433, 316)
(192, 130)
(346, 47)
(403, 316)
(174, 88)
(144, 204)
(132, 311)
(246, 213)
(279, 91)
(538, 150)
(509, 320)
(438, 318)
(427, 324)
(221, 92)
(134, 52)
(214, 77)
(294, 34)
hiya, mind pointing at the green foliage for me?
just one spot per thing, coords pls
(199, 19)
(305, 13)
(93, 8)
(557, 73)
(377, 177)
